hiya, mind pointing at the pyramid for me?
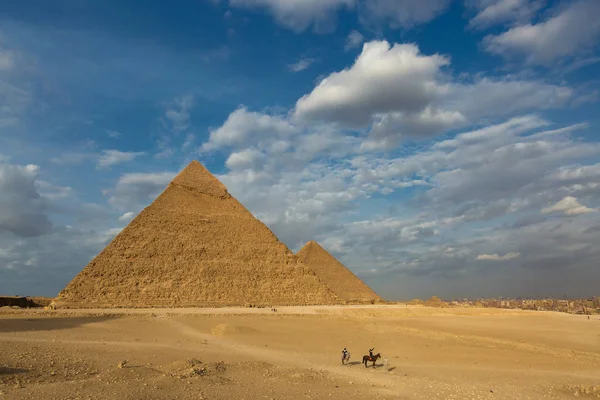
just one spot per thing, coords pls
(335, 275)
(194, 246)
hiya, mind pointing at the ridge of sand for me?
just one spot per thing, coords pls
(336, 276)
(195, 245)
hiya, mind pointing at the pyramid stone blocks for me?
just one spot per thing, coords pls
(335, 275)
(195, 245)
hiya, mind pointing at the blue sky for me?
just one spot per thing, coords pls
(441, 147)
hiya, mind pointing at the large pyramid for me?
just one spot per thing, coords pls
(335, 275)
(195, 245)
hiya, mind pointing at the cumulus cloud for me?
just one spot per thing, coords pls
(574, 30)
(427, 123)
(248, 158)
(136, 190)
(383, 79)
(243, 127)
(108, 158)
(301, 65)
(23, 211)
(496, 257)
(569, 206)
(492, 12)
(354, 40)
(399, 91)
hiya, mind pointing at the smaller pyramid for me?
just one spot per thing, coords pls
(339, 279)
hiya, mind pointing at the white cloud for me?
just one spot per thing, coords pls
(480, 193)
(569, 206)
(108, 158)
(496, 257)
(573, 31)
(249, 158)
(128, 216)
(499, 169)
(136, 190)
(401, 13)
(244, 127)
(400, 92)
(384, 133)
(577, 174)
(383, 79)
(53, 192)
(488, 98)
(581, 63)
(23, 211)
(301, 65)
(354, 40)
(298, 15)
(491, 12)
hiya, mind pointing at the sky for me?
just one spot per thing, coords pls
(435, 147)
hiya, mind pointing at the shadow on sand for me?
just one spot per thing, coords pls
(12, 371)
(46, 323)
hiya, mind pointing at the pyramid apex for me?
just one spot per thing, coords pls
(312, 243)
(196, 176)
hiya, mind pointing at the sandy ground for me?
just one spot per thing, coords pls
(249, 353)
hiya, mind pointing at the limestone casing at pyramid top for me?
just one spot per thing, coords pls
(196, 176)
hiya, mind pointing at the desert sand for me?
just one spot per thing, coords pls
(294, 353)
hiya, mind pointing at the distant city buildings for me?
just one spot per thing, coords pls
(573, 306)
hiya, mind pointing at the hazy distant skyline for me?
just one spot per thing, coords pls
(443, 147)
